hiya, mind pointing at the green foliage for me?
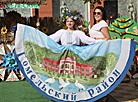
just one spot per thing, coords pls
(63, 74)
(98, 62)
(68, 76)
(73, 76)
(36, 53)
(98, 75)
(86, 24)
(80, 77)
(101, 74)
(111, 59)
(92, 2)
(58, 75)
(85, 78)
(40, 53)
(53, 73)
(49, 72)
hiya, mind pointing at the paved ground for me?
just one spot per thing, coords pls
(125, 92)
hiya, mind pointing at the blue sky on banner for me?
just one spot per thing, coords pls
(101, 49)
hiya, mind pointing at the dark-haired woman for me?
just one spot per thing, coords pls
(100, 27)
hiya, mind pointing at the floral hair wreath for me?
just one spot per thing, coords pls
(75, 15)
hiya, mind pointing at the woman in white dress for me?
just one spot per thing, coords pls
(70, 36)
(100, 27)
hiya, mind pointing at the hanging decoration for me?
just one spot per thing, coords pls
(4, 30)
(124, 28)
(57, 20)
(7, 35)
(45, 30)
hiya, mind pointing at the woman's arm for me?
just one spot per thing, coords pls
(105, 32)
(56, 36)
(86, 39)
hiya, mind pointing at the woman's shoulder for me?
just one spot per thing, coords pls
(103, 22)
(61, 30)
(78, 31)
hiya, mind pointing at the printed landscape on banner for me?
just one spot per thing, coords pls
(72, 73)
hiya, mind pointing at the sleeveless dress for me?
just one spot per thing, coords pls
(95, 30)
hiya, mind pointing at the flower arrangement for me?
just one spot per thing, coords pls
(4, 30)
(75, 15)
(44, 29)
(57, 20)
(92, 2)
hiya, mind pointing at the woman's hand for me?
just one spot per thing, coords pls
(106, 39)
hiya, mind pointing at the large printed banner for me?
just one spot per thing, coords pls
(72, 73)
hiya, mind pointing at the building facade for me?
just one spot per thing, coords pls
(67, 66)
